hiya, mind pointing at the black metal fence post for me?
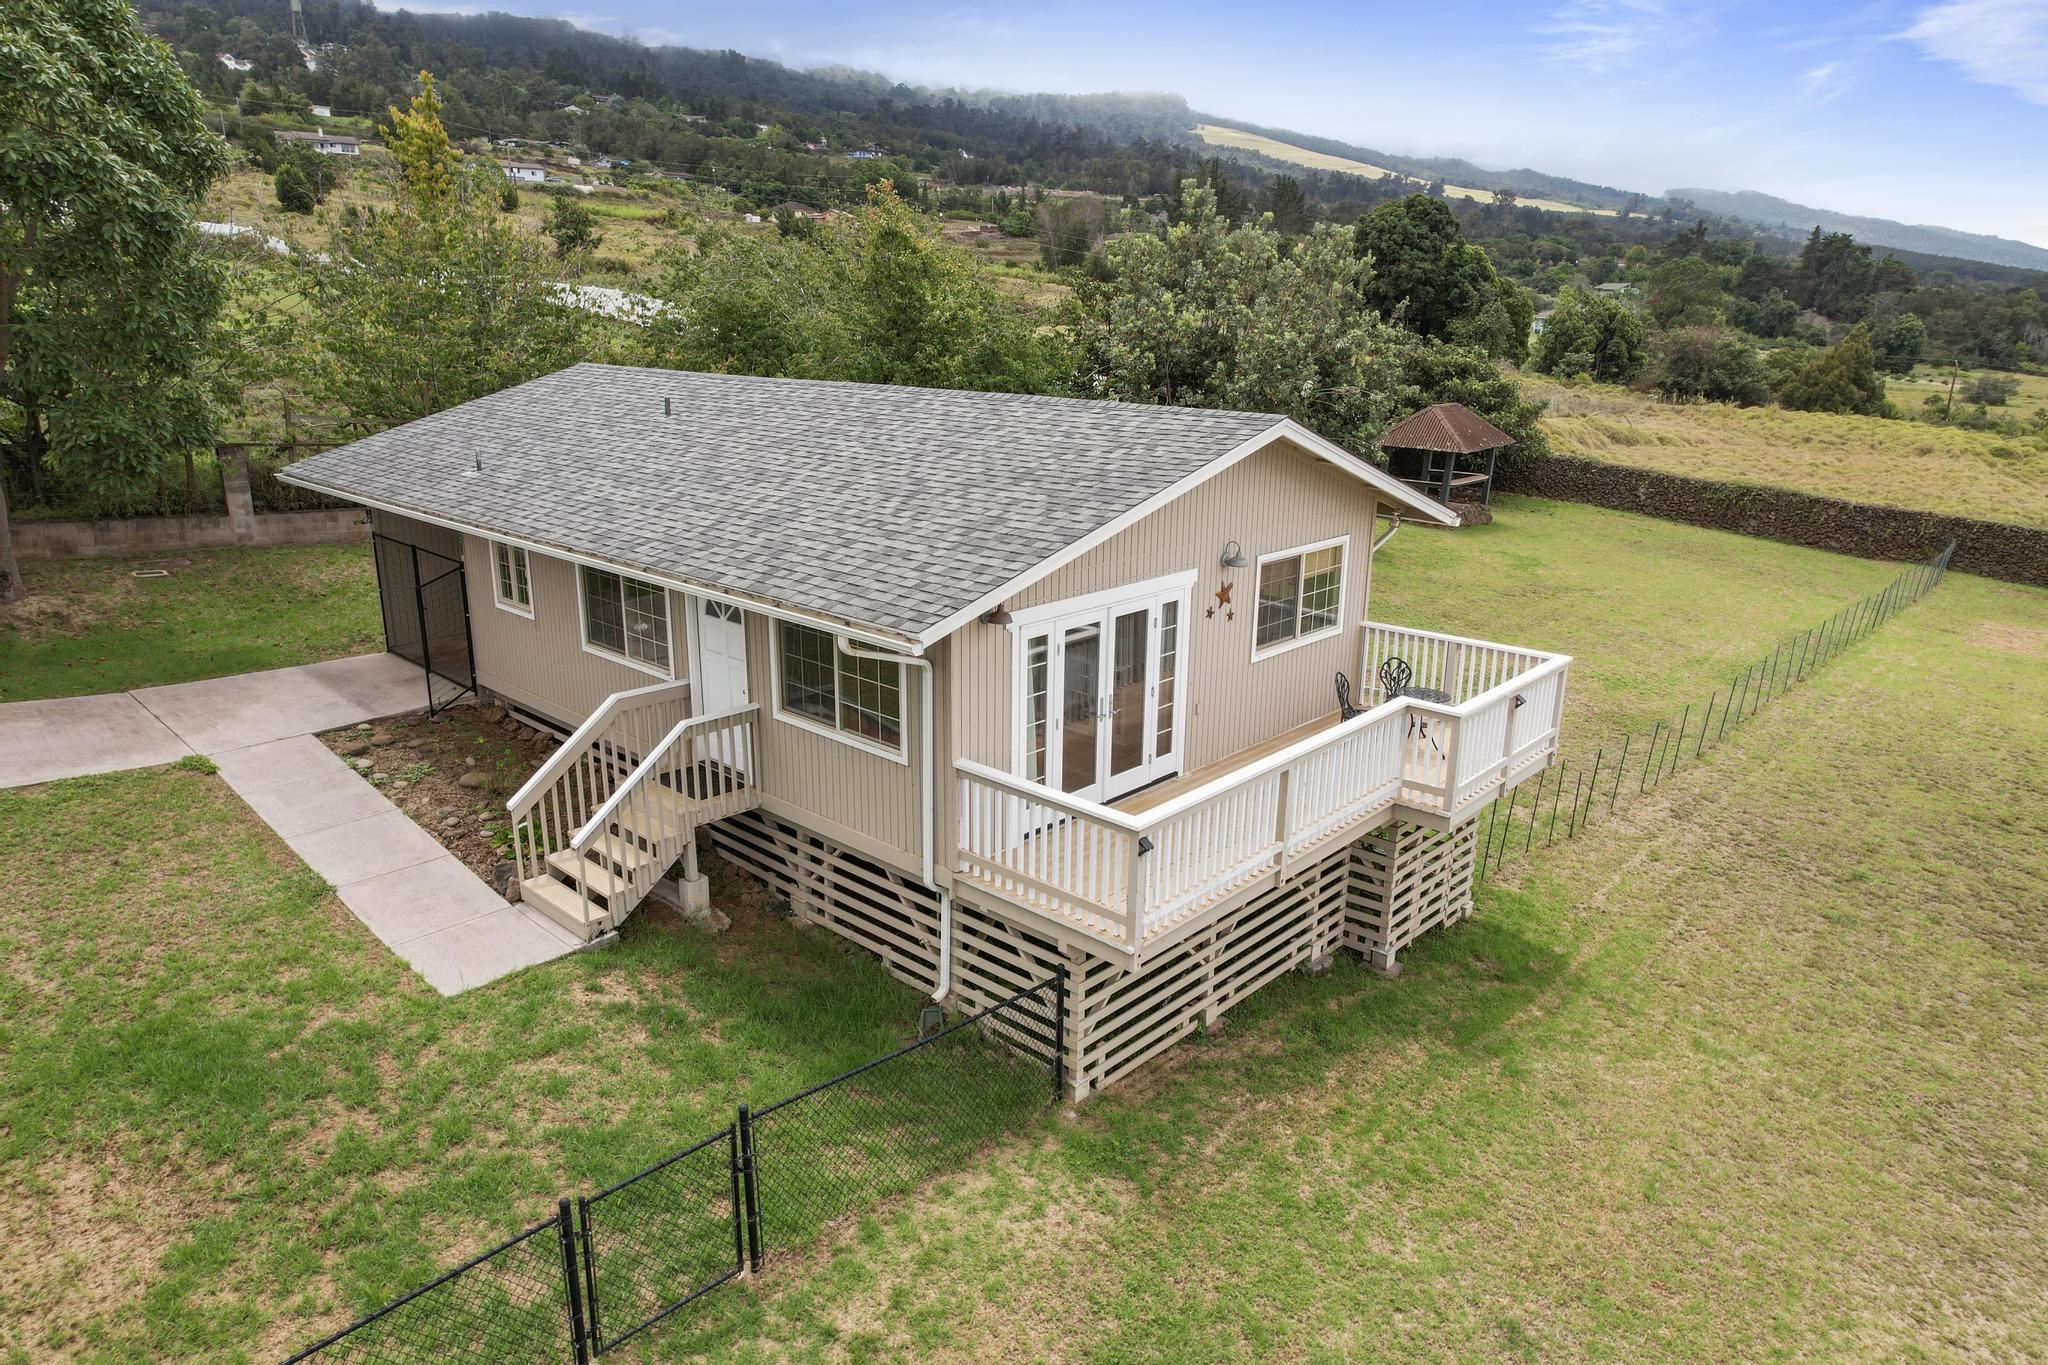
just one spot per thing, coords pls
(565, 1229)
(750, 1185)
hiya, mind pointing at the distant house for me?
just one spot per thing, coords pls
(796, 210)
(603, 163)
(1542, 321)
(323, 111)
(526, 172)
(1615, 289)
(573, 109)
(234, 63)
(332, 144)
(863, 154)
(694, 118)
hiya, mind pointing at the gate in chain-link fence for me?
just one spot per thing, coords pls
(1566, 797)
(610, 1265)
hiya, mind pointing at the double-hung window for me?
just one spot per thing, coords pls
(510, 581)
(627, 619)
(820, 684)
(1301, 596)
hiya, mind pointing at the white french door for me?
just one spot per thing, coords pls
(719, 681)
(1098, 692)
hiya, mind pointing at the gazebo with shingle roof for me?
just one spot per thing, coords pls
(1439, 435)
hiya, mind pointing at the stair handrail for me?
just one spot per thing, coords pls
(648, 765)
(578, 744)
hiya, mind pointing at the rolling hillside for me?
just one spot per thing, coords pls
(1221, 135)
(1792, 220)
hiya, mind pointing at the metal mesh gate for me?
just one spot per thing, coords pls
(425, 597)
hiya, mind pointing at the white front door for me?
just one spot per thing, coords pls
(720, 683)
(1099, 692)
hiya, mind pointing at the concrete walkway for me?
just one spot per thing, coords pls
(415, 895)
(421, 900)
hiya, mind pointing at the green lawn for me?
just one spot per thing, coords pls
(89, 625)
(1756, 1069)
(1654, 614)
(1757, 1072)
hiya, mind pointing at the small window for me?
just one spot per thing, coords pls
(628, 618)
(822, 685)
(514, 587)
(1301, 596)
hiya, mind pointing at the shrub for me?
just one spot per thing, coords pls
(1991, 389)
(1694, 363)
(294, 191)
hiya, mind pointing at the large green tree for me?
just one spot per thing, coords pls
(1424, 275)
(1591, 335)
(1210, 315)
(873, 296)
(437, 299)
(1843, 378)
(106, 295)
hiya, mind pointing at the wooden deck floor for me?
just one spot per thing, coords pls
(1159, 793)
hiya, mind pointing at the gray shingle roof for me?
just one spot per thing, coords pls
(890, 508)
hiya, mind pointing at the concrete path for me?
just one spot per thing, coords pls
(41, 741)
(421, 900)
(415, 895)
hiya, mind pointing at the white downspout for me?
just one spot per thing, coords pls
(924, 665)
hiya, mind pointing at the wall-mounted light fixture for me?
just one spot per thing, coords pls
(999, 615)
(1233, 556)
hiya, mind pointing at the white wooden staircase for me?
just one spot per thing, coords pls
(620, 803)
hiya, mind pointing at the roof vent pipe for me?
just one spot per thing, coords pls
(665, 409)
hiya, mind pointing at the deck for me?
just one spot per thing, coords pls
(1137, 876)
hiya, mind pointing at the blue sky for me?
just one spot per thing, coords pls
(1930, 111)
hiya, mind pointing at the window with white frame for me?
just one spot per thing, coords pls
(821, 684)
(514, 587)
(625, 617)
(1301, 595)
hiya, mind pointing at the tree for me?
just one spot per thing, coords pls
(1842, 378)
(436, 300)
(1690, 364)
(1501, 326)
(1901, 344)
(106, 297)
(573, 225)
(1214, 316)
(1685, 292)
(1424, 274)
(508, 197)
(1283, 198)
(1069, 228)
(294, 193)
(875, 297)
(1592, 335)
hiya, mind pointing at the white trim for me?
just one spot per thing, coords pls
(1105, 597)
(667, 623)
(764, 607)
(525, 563)
(1285, 429)
(900, 754)
(1343, 544)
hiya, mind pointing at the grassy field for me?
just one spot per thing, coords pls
(232, 1118)
(1654, 614)
(1928, 381)
(1866, 459)
(1323, 161)
(92, 626)
(1758, 1073)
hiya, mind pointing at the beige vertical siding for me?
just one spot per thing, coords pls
(1280, 498)
(439, 539)
(541, 663)
(854, 789)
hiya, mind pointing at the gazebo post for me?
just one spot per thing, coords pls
(1491, 456)
(1450, 468)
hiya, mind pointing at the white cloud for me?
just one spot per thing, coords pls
(1828, 81)
(1603, 35)
(1997, 42)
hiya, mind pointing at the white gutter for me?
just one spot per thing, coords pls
(853, 650)
(1387, 535)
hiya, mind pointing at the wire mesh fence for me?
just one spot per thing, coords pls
(892, 1124)
(1574, 791)
(610, 1265)
(515, 1302)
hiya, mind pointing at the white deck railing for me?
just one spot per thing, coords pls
(582, 775)
(1128, 879)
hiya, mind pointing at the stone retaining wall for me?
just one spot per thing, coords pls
(2017, 554)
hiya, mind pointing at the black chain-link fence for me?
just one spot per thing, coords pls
(515, 1302)
(1566, 797)
(616, 1262)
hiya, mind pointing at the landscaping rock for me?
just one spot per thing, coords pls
(1317, 966)
(505, 875)
(709, 918)
(469, 763)
(349, 748)
(450, 821)
(415, 743)
(492, 715)
(381, 738)
(471, 780)
(513, 891)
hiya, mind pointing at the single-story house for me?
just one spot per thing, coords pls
(331, 144)
(992, 685)
(527, 172)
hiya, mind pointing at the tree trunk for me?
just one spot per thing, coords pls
(10, 568)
